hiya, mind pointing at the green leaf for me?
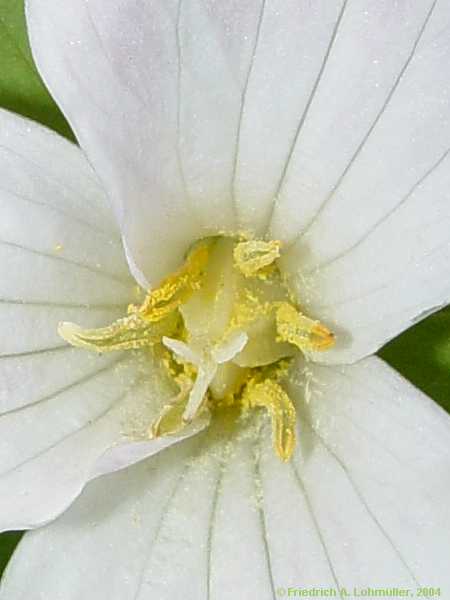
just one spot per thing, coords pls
(21, 88)
(8, 543)
(422, 354)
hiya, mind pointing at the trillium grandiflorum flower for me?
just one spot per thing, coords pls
(259, 201)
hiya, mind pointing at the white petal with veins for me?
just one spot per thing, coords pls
(393, 277)
(157, 109)
(378, 118)
(61, 408)
(52, 449)
(361, 505)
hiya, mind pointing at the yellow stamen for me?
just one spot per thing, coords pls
(128, 333)
(253, 256)
(147, 324)
(176, 289)
(295, 328)
(248, 302)
(270, 395)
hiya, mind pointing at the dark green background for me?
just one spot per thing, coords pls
(422, 354)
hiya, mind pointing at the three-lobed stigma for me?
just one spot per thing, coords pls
(227, 328)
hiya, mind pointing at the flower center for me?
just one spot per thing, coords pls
(227, 327)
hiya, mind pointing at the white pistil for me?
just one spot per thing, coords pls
(206, 361)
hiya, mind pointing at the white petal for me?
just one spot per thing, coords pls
(54, 219)
(373, 470)
(163, 524)
(393, 276)
(122, 541)
(153, 92)
(61, 258)
(377, 121)
(364, 503)
(293, 43)
(128, 452)
(51, 449)
(371, 223)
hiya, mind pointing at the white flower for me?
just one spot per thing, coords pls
(322, 125)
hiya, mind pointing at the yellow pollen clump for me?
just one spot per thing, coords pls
(266, 391)
(306, 334)
(253, 256)
(226, 328)
(177, 288)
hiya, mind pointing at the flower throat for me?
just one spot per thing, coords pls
(228, 327)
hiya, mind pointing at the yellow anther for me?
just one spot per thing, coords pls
(176, 289)
(270, 395)
(253, 256)
(295, 328)
(128, 333)
(147, 324)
